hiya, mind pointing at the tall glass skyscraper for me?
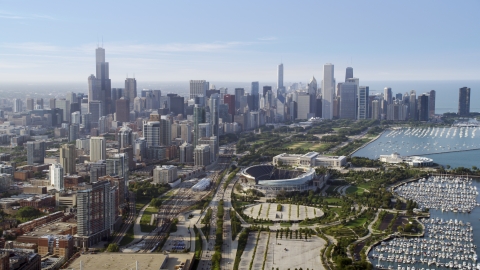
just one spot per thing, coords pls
(328, 90)
(280, 86)
(255, 96)
(198, 118)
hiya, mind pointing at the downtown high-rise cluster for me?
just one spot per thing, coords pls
(88, 142)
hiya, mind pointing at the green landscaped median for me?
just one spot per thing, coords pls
(146, 218)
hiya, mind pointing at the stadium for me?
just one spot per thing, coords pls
(269, 177)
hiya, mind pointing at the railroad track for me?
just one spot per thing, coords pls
(170, 209)
(129, 222)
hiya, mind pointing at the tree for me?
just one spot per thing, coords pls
(156, 203)
(28, 212)
(113, 248)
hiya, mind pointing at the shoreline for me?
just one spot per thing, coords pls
(372, 140)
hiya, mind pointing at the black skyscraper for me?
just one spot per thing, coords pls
(348, 73)
(464, 101)
(423, 111)
(99, 86)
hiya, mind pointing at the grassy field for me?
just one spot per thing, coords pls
(332, 200)
(354, 189)
(356, 222)
(128, 238)
(146, 217)
(311, 146)
(340, 231)
(139, 204)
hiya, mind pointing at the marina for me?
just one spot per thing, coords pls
(446, 244)
(444, 193)
(448, 240)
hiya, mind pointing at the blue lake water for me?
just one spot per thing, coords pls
(446, 146)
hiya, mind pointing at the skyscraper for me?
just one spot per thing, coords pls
(122, 110)
(30, 104)
(67, 158)
(198, 87)
(413, 105)
(387, 95)
(464, 101)
(97, 149)
(280, 87)
(64, 105)
(363, 93)
(186, 153)
(165, 132)
(125, 138)
(303, 106)
(348, 73)
(130, 90)
(255, 96)
(399, 97)
(17, 105)
(35, 152)
(214, 113)
(95, 212)
(73, 132)
(239, 94)
(328, 90)
(376, 109)
(56, 176)
(431, 103)
(118, 166)
(348, 98)
(99, 86)
(71, 96)
(198, 118)
(40, 103)
(177, 104)
(423, 110)
(230, 100)
(151, 131)
(312, 91)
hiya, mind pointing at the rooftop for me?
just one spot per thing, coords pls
(51, 229)
(120, 261)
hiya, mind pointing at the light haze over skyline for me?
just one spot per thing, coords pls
(55, 41)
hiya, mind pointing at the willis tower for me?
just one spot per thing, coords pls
(99, 88)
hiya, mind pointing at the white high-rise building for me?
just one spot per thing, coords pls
(76, 118)
(97, 149)
(17, 105)
(56, 176)
(198, 87)
(328, 90)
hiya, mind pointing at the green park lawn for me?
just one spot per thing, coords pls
(145, 220)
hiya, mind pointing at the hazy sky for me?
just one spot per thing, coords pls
(239, 40)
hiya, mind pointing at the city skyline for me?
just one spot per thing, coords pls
(240, 50)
